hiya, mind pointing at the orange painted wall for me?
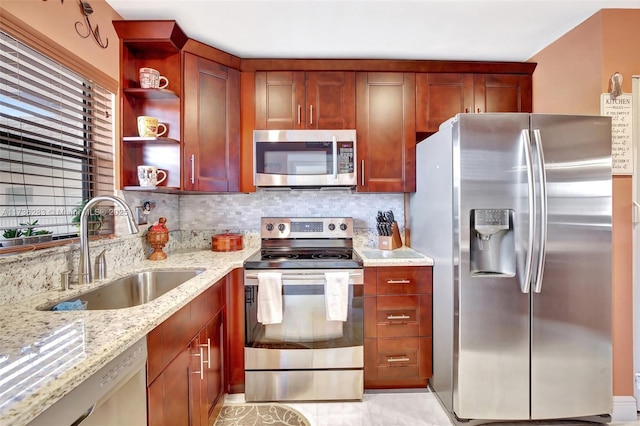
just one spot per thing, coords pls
(56, 21)
(571, 74)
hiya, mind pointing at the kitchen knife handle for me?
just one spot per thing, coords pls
(525, 284)
(543, 212)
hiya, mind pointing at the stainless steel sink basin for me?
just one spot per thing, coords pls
(133, 290)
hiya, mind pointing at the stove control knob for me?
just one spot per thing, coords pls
(332, 227)
(281, 227)
(343, 226)
(269, 227)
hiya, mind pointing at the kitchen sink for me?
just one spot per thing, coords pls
(132, 290)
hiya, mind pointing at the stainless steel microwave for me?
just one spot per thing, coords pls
(304, 158)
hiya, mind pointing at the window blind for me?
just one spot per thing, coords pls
(56, 146)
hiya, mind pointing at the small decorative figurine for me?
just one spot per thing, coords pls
(157, 237)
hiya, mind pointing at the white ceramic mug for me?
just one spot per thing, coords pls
(148, 127)
(148, 175)
(150, 78)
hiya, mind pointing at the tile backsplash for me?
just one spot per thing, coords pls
(242, 212)
(192, 220)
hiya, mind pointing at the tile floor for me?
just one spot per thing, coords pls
(399, 408)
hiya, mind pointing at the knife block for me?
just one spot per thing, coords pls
(393, 242)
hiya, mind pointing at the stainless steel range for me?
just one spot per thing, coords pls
(306, 354)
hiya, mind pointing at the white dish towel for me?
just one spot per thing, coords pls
(336, 295)
(270, 297)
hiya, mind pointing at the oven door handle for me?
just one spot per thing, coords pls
(301, 277)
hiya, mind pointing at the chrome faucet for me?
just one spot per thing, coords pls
(84, 266)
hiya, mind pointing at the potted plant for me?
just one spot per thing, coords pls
(28, 235)
(95, 218)
(43, 235)
(12, 237)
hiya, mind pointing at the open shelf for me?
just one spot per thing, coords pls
(151, 93)
(169, 189)
(160, 140)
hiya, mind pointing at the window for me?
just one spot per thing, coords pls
(56, 145)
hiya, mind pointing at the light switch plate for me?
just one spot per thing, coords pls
(141, 217)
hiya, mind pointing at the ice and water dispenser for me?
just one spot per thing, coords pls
(492, 246)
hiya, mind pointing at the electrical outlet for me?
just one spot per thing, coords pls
(142, 218)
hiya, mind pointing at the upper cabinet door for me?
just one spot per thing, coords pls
(502, 93)
(330, 100)
(280, 100)
(211, 126)
(299, 100)
(386, 131)
(440, 96)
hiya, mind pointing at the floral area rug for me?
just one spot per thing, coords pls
(260, 414)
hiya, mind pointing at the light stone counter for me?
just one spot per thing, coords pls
(403, 256)
(105, 334)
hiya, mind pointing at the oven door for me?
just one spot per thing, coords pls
(307, 158)
(304, 339)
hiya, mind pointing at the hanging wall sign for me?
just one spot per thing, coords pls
(620, 109)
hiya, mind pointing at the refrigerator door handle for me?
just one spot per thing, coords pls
(525, 284)
(537, 288)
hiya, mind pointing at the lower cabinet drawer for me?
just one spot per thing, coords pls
(397, 362)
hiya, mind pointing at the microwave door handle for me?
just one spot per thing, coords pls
(335, 157)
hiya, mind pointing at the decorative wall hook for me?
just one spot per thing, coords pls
(616, 85)
(87, 10)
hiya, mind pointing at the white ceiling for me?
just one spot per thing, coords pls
(500, 30)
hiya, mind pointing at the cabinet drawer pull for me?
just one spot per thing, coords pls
(311, 114)
(398, 359)
(208, 346)
(362, 173)
(201, 355)
(193, 168)
(298, 113)
(398, 281)
(397, 317)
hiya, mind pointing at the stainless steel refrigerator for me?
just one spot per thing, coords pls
(515, 209)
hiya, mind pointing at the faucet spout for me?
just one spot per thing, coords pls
(84, 266)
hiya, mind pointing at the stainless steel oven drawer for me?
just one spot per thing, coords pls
(285, 359)
(304, 385)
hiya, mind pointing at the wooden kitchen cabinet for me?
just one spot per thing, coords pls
(385, 124)
(397, 327)
(304, 100)
(440, 96)
(185, 364)
(154, 44)
(211, 126)
(200, 107)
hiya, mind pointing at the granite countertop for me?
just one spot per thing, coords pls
(105, 334)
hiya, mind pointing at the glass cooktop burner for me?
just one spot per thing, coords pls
(320, 257)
